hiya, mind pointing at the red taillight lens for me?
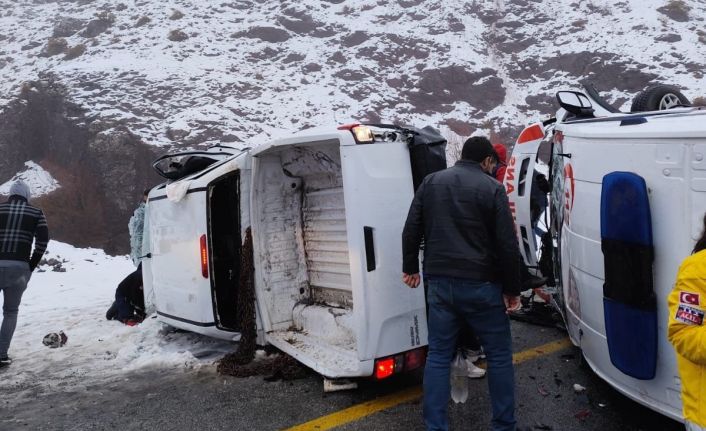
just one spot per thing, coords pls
(415, 359)
(384, 368)
(531, 133)
(348, 126)
(204, 256)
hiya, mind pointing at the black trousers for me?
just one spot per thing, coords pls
(129, 296)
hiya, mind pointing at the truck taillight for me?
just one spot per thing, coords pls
(384, 368)
(415, 358)
(204, 256)
(407, 361)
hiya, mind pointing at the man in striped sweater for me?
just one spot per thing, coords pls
(20, 225)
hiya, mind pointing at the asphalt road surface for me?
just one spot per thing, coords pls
(203, 400)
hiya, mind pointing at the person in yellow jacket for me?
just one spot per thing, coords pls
(687, 333)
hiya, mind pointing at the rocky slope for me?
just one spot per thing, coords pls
(92, 90)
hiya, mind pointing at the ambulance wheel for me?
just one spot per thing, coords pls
(659, 97)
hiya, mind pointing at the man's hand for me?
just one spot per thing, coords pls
(411, 280)
(512, 303)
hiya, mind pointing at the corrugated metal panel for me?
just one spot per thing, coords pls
(325, 240)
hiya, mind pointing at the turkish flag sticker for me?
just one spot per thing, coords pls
(689, 298)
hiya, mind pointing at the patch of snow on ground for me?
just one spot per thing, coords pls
(75, 301)
(40, 181)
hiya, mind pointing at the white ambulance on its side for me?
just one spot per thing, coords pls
(326, 209)
(628, 196)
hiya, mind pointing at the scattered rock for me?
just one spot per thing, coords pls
(677, 10)
(96, 27)
(142, 21)
(671, 38)
(267, 34)
(293, 57)
(30, 45)
(456, 25)
(177, 36)
(409, 3)
(67, 26)
(311, 67)
(355, 38)
(338, 57)
(302, 23)
(54, 46)
(56, 265)
(350, 75)
(578, 388)
(177, 134)
(177, 14)
(75, 51)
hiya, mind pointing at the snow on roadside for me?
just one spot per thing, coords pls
(75, 301)
(40, 181)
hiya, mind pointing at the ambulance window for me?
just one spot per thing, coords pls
(557, 180)
(523, 177)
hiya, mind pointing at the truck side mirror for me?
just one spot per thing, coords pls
(575, 103)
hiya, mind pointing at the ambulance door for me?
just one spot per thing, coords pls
(518, 184)
(377, 182)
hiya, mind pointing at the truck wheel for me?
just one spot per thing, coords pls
(659, 97)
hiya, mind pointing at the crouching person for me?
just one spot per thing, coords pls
(20, 224)
(129, 305)
(687, 333)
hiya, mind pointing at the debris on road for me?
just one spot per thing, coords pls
(578, 388)
(274, 367)
(54, 340)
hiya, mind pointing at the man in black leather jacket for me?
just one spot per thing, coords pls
(471, 263)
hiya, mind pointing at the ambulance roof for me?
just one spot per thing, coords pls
(675, 123)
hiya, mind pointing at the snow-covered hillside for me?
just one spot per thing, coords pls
(40, 181)
(180, 71)
(72, 294)
(94, 90)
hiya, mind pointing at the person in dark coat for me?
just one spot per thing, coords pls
(20, 225)
(471, 262)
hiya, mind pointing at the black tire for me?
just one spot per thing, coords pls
(659, 97)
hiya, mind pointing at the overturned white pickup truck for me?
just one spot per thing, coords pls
(326, 209)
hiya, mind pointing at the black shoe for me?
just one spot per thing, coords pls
(533, 282)
(4, 362)
(112, 312)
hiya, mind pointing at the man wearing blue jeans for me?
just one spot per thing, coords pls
(20, 225)
(471, 261)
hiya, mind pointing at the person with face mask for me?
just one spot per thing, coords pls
(471, 264)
